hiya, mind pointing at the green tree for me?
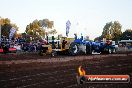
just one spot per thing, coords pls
(98, 38)
(116, 31)
(38, 27)
(6, 25)
(112, 30)
(127, 35)
(52, 31)
(107, 30)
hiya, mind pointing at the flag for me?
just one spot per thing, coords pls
(68, 24)
(12, 32)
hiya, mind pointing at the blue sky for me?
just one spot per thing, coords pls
(86, 16)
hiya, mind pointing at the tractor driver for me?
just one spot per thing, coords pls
(64, 43)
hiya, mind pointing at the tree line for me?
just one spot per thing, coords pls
(39, 29)
(6, 26)
(113, 31)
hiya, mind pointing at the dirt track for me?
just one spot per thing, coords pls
(60, 72)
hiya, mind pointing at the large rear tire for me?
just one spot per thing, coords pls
(53, 53)
(73, 49)
(113, 51)
(40, 52)
(88, 49)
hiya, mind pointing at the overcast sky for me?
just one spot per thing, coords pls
(86, 16)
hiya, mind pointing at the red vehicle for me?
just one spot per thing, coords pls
(10, 50)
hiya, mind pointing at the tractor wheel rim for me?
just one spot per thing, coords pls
(114, 51)
(109, 50)
(75, 49)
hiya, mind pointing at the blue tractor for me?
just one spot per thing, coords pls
(88, 47)
(103, 47)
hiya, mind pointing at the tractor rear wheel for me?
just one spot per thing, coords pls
(53, 53)
(74, 49)
(88, 49)
(113, 50)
